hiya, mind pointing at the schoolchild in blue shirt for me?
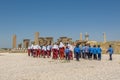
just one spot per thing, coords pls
(77, 52)
(110, 51)
(86, 51)
(94, 52)
(99, 51)
(67, 52)
(90, 51)
(83, 51)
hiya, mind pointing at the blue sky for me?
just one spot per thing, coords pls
(58, 18)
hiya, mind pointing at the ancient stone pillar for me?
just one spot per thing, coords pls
(36, 38)
(14, 41)
(104, 37)
(86, 36)
(80, 36)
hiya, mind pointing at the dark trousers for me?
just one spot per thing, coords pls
(67, 57)
(95, 56)
(74, 55)
(80, 55)
(83, 55)
(31, 52)
(99, 56)
(77, 56)
(110, 56)
(86, 55)
(90, 55)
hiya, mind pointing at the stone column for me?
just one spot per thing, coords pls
(36, 38)
(14, 41)
(104, 37)
(86, 36)
(80, 36)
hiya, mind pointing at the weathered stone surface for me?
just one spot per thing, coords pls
(26, 43)
(14, 41)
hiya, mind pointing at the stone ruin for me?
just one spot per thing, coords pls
(22, 48)
(45, 41)
(65, 40)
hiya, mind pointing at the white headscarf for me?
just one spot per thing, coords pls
(61, 45)
(70, 47)
(48, 47)
(38, 47)
(55, 47)
(44, 48)
(32, 46)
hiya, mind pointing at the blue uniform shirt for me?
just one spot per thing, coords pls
(99, 50)
(83, 49)
(94, 50)
(86, 49)
(110, 50)
(91, 49)
(67, 51)
(77, 50)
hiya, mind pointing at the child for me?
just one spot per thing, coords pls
(55, 50)
(71, 52)
(61, 50)
(83, 51)
(90, 52)
(44, 50)
(48, 50)
(99, 50)
(86, 51)
(110, 51)
(67, 53)
(94, 52)
(77, 52)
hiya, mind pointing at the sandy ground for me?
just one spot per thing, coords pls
(21, 67)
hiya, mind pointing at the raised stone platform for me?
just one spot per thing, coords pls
(18, 50)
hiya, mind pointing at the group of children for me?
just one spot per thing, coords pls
(68, 51)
